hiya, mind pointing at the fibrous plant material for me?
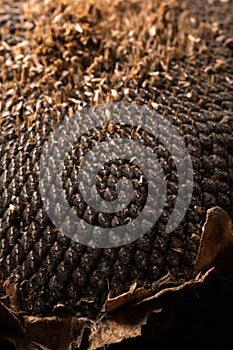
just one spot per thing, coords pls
(58, 57)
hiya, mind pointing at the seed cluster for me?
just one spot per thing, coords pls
(56, 58)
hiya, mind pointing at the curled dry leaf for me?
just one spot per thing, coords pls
(56, 332)
(134, 294)
(127, 322)
(216, 238)
(130, 311)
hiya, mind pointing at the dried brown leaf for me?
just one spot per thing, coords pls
(216, 237)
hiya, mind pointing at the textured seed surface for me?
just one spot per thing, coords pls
(179, 64)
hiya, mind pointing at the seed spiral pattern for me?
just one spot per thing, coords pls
(47, 267)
